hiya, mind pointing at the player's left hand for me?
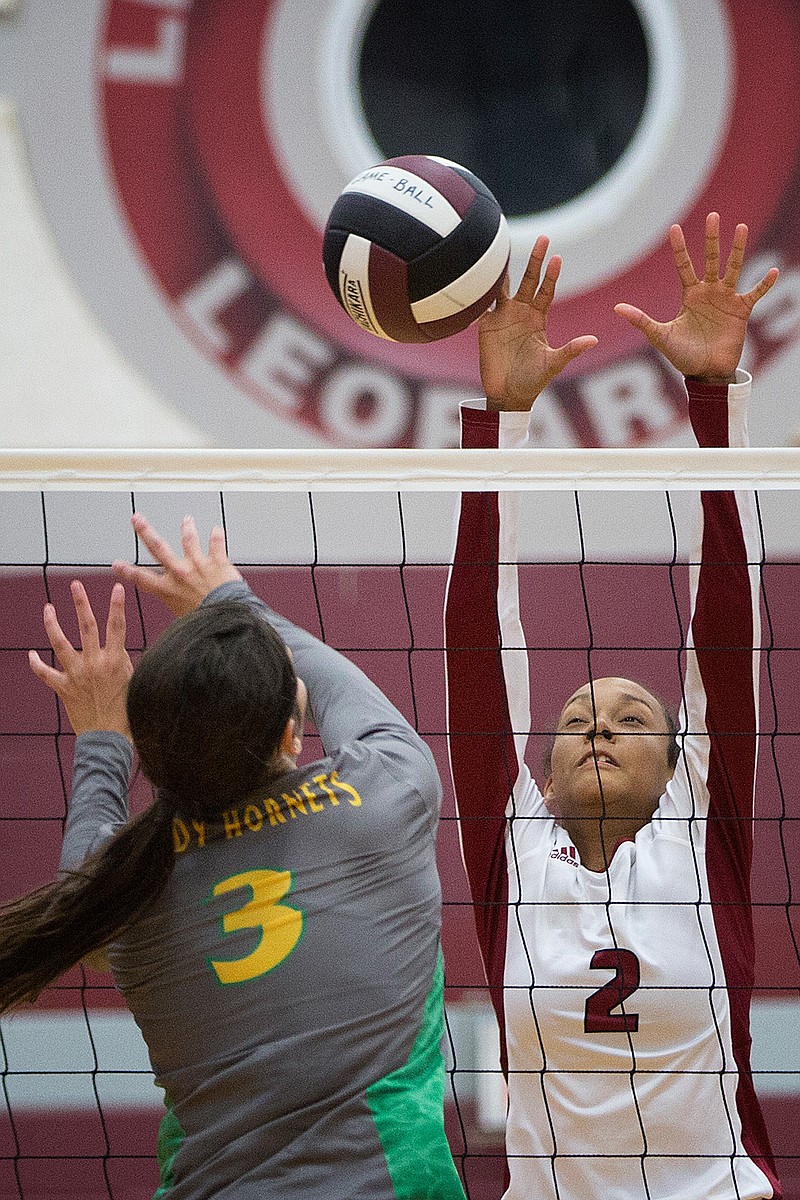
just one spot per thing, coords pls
(93, 684)
(706, 338)
(517, 362)
(183, 582)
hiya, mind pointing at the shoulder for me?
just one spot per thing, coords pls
(391, 775)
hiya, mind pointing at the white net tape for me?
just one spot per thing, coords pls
(393, 470)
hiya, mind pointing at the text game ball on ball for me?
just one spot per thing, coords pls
(415, 248)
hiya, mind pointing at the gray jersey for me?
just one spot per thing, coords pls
(288, 980)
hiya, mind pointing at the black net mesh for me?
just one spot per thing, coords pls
(79, 1111)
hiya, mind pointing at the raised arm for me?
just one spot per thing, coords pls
(705, 342)
(487, 675)
(347, 706)
(716, 778)
(486, 660)
(92, 683)
(721, 677)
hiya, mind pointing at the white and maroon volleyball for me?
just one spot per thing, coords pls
(415, 248)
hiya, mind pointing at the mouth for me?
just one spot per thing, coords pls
(600, 758)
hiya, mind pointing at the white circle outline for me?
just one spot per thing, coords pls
(313, 116)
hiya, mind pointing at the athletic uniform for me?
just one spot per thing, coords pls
(288, 980)
(622, 996)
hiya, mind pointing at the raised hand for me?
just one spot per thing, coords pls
(516, 360)
(93, 684)
(183, 582)
(706, 338)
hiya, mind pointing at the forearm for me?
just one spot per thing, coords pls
(722, 669)
(728, 545)
(99, 801)
(718, 411)
(488, 702)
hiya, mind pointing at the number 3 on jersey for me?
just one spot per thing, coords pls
(281, 925)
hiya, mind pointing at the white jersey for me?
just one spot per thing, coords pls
(623, 996)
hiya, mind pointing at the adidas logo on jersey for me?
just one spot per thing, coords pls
(567, 854)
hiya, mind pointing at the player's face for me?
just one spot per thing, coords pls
(610, 754)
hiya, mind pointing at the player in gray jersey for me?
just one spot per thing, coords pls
(274, 928)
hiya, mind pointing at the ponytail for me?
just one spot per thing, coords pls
(49, 930)
(207, 704)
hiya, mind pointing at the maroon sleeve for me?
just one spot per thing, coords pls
(725, 631)
(483, 759)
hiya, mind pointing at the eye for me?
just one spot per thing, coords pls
(631, 717)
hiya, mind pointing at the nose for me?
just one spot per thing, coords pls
(600, 730)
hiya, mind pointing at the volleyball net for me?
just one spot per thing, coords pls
(354, 546)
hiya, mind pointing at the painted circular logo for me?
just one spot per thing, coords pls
(227, 130)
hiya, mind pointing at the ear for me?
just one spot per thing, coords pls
(549, 796)
(291, 741)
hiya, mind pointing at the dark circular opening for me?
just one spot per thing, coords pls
(539, 100)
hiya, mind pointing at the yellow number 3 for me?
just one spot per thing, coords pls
(281, 926)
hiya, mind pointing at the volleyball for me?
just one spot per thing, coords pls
(415, 248)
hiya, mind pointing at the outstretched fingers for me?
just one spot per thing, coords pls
(158, 546)
(184, 581)
(752, 297)
(683, 263)
(573, 348)
(94, 679)
(155, 582)
(529, 284)
(712, 248)
(733, 266)
(65, 652)
(547, 289)
(115, 624)
(640, 320)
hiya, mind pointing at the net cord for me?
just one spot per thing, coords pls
(773, 468)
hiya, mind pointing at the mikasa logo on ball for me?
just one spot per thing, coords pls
(354, 298)
(354, 284)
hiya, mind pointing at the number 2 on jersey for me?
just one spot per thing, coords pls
(281, 925)
(598, 1017)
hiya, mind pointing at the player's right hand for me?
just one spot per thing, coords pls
(183, 582)
(517, 361)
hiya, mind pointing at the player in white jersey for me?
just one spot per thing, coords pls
(613, 905)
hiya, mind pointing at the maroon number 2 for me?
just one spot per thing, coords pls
(598, 1017)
